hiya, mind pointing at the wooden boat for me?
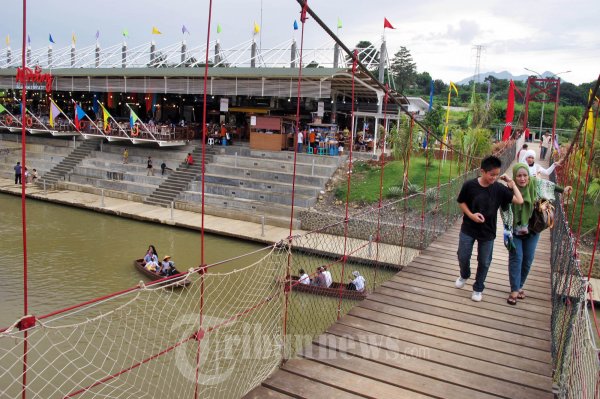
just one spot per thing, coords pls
(139, 264)
(333, 291)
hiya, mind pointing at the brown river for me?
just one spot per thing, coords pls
(75, 255)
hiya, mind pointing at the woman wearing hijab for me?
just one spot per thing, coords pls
(516, 219)
(528, 157)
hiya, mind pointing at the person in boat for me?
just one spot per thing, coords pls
(358, 282)
(152, 266)
(151, 255)
(327, 274)
(304, 279)
(167, 267)
(319, 279)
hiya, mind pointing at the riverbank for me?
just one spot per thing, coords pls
(139, 211)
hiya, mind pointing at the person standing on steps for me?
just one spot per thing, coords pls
(150, 168)
(479, 200)
(126, 156)
(163, 167)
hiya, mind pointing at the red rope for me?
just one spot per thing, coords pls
(579, 176)
(202, 262)
(23, 198)
(585, 187)
(348, 184)
(382, 163)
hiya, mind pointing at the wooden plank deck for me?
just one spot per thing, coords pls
(417, 336)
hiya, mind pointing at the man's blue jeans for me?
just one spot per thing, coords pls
(520, 260)
(485, 250)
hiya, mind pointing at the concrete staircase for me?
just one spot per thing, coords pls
(66, 166)
(179, 180)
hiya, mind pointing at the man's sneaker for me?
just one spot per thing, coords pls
(460, 282)
(477, 296)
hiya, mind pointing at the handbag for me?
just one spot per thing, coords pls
(542, 216)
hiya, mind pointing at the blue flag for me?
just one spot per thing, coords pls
(430, 98)
(80, 112)
(95, 105)
(295, 25)
(50, 38)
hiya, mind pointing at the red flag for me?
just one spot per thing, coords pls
(387, 24)
(77, 125)
(510, 111)
(148, 102)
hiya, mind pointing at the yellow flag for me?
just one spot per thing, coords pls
(155, 31)
(105, 116)
(8, 40)
(590, 119)
(73, 38)
(453, 87)
(256, 28)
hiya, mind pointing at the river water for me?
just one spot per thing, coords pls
(75, 255)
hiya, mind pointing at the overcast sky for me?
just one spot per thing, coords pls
(551, 36)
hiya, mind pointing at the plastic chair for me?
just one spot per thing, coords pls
(322, 151)
(211, 141)
(309, 150)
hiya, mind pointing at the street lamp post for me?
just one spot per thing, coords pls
(544, 102)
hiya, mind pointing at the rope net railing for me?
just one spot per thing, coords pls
(575, 262)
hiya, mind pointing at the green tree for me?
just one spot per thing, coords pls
(404, 69)
(422, 80)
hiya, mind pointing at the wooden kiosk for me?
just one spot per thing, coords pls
(266, 133)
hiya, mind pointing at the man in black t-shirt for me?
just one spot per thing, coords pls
(479, 200)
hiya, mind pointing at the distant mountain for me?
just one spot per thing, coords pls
(501, 75)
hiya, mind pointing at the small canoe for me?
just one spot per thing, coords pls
(333, 291)
(139, 264)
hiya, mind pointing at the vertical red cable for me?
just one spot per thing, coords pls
(287, 286)
(383, 138)
(202, 261)
(23, 207)
(348, 184)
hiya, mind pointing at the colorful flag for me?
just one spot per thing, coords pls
(155, 31)
(256, 28)
(387, 24)
(2, 109)
(510, 111)
(125, 33)
(133, 118)
(431, 95)
(184, 30)
(590, 120)
(453, 87)
(219, 28)
(339, 23)
(97, 34)
(7, 40)
(295, 25)
(79, 115)
(95, 106)
(50, 38)
(105, 116)
(73, 38)
(54, 112)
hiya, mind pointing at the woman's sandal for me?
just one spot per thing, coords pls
(521, 294)
(511, 300)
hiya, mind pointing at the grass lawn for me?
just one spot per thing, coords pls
(365, 178)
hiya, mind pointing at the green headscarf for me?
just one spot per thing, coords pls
(522, 213)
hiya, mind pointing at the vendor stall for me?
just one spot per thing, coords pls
(267, 133)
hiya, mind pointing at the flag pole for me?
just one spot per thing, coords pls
(142, 123)
(91, 121)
